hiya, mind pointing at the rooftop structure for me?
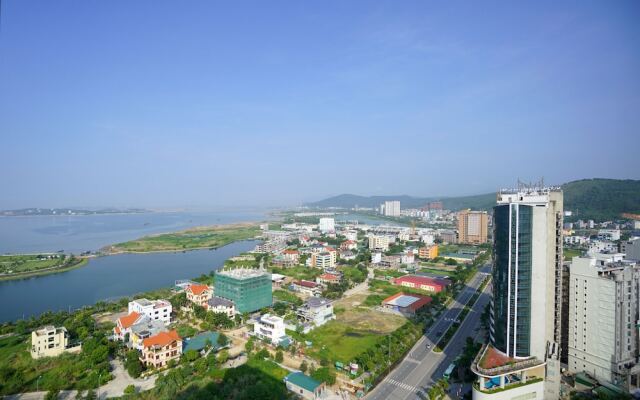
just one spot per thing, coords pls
(407, 304)
(422, 282)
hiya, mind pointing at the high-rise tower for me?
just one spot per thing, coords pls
(525, 327)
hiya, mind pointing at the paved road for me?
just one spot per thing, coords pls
(421, 367)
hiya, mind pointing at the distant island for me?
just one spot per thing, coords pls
(202, 237)
(70, 211)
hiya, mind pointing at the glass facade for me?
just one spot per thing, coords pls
(500, 276)
(512, 279)
(249, 294)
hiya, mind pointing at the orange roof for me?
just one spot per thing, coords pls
(288, 251)
(117, 330)
(329, 276)
(348, 242)
(197, 289)
(128, 320)
(161, 339)
(329, 248)
(494, 358)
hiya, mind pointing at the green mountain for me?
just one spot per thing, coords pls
(602, 199)
(598, 199)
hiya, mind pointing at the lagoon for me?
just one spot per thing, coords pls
(109, 278)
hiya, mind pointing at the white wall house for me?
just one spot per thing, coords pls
(269, 327)
(158, 310)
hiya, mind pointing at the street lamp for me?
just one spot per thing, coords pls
(38, 383)
(98, 389)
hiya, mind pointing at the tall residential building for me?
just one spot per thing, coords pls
(631, 248)
(327, 225)
(248, 288)
(603, 317)
(525, 329)
(379, 242)
(472, 227)
(392, 208)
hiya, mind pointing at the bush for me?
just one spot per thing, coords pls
(130, 389)
(52, 394)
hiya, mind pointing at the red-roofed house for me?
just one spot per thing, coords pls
(291, 256)
(124, 324)
(327, 278)
(199, 294)
(306, 287)
(159, 349)
(422, 282)
(406, 304)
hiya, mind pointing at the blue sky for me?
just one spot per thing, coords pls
(162, 104)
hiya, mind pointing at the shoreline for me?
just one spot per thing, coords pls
(45, 271)
(104, 252)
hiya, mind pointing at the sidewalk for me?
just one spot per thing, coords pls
(114, 388)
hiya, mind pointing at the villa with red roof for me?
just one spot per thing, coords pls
(199, 294)
(159, 349)
(328, 278)
(422, 282)
(124, 324)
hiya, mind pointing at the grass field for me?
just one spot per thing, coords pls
(22, 266)
(195, 238)
(570, 253)
(354, 331)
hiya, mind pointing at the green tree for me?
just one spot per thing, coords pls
(279, 356)
(223, 356)
(132, 364)
(191, 355)
(324, 374)
(131, 389)
(222, 340)
(303, 366)
(249, 346)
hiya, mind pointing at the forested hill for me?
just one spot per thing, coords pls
(598, 199)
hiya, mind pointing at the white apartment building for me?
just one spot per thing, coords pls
(601, 246)
(609, 234)
(324, 260)
(376, 258)
(270, 327)
(392, 208)
(327, 225)
(158, 310)
(50, 341)
(316, 311)
(379, 242)
(603, 317)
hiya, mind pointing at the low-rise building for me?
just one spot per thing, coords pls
(349, 245)
(157, 310)
(317, 311)
(219, 305)
(201, 341)
(324, 260)
(306, 287)
(291, 257)
(422, 282)
(199, 294)
(407, 258)
(271, 328)
(376, 258)
(158, 350)
(123, 325)
(406, 304)
(143, 330)
(347, 255)
(327, 278)
(428, 252)
(609, 234)
(50, 341)
(305, 386)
